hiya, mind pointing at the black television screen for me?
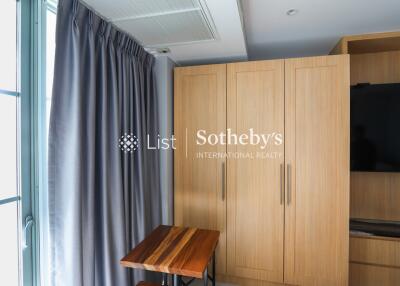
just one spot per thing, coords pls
(375, 127)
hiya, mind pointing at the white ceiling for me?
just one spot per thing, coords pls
(316, 28)
(269, 32)
(211, 34)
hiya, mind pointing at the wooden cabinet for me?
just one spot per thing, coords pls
(255, 220)
(283, 209)
(199, 181)
(374, 261)
(317, 158)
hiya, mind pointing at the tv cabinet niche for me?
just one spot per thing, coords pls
(375, 59)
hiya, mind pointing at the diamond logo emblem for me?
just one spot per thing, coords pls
(128, 143)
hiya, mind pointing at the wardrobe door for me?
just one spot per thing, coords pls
(200, 105)
(317, 173)
(255, 219)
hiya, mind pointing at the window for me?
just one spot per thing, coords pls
(27, 29)
(10, 247)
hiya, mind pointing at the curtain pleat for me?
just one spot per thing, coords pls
(102, 201)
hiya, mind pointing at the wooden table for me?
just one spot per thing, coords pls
(175, 250)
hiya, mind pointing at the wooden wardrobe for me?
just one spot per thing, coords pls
(283, 219)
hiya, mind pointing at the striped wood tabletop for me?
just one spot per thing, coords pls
(175, 250)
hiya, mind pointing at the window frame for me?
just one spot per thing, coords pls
(27, 123)
(41, 137)
(23, 193)
(31, 127)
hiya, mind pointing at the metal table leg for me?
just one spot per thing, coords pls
(177, 280)
(164, 279)
(205, 277)
(214, 273)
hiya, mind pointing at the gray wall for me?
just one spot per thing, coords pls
(164, 83)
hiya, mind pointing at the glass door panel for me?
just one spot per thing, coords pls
(10, 248)
(8, 47)
(8, 146)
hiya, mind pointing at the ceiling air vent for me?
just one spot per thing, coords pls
(157, 23)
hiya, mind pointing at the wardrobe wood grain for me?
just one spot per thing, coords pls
(200, 104)
(295, 233)
(317, 151)
(255, 219)
(238, 281)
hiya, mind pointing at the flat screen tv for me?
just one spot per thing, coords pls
(375, 127)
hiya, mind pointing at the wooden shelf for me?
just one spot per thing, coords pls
(367, 236)
(368, 43)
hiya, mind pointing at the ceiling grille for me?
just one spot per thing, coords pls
(157, 23)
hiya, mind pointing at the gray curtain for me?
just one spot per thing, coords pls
(102, 201)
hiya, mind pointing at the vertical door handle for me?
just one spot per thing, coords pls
(289, 184)
(282, 182)
(223, 181)
(27, 234)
